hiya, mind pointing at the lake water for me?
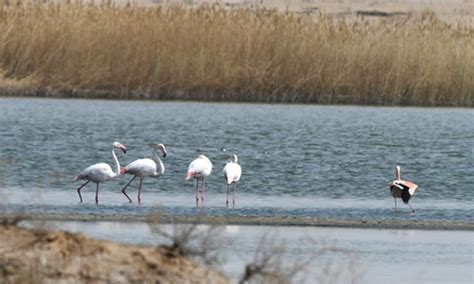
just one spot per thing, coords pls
(333, 255)
(324, 161)
(301, 161)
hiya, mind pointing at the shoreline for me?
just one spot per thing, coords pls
(254, 221)
(249, 102)
(22, 95)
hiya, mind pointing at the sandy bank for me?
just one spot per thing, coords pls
(408, 223)
(37, 256)
(451, 11)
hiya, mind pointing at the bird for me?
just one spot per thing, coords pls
(142, 168)
(200, 168)
(100, 172)
(402, 189)
(232, 172)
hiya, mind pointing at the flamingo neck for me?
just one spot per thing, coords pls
(156, 158)
(117, 163)
(397, 174)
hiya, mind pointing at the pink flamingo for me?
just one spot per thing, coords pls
(402, 189)
(200, 168)
(100, 172)
(232, 172)
(145, 167)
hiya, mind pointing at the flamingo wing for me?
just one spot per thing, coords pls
(201, 166)
(232, 172)
(97, 173)
(410, 186)
(142, 167)
(404, 185)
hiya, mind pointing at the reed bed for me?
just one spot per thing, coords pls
(212, 53)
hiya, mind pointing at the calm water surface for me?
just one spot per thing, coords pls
(297, 160)
(350, 255)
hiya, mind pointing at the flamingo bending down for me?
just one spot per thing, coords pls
(100, 172)
(232, 172)
(402, 189)
(145, 167)
(200, 168)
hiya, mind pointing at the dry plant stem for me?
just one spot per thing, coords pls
(270, 264)
(197, 241)
(12, 220)
(211, 53)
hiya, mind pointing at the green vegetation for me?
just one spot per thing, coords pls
(214, 54)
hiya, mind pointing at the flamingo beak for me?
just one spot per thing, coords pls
(164, 153)
(123, 148)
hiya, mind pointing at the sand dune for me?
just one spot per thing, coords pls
(38, 256)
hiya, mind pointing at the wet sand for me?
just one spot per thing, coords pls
(450, 11)
(303, 221)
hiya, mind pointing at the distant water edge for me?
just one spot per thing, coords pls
(250, 220)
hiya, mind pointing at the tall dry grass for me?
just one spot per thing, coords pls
(211, 53)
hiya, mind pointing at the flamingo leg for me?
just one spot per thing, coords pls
(233, 194)
(197, 194)
(203, 182)
(97, 193)
(395, 200)
(199, 191)
(140, 190)
(79, 190)
(125, 187)
(227, 199)
(412, 210)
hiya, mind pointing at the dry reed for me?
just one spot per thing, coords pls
(210, 53)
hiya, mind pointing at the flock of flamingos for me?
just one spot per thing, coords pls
(200, 168)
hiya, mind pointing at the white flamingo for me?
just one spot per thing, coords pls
(145, 167)
(200, 168)
(402, 189)
(232, 172)
(100, 172)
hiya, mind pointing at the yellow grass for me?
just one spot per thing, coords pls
(210, 53)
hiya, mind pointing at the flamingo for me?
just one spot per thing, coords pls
(100, 172)
(200, 168)
(145, 167)
(232, 172)
(402, 189)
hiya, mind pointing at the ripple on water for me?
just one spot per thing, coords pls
(343, 155)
